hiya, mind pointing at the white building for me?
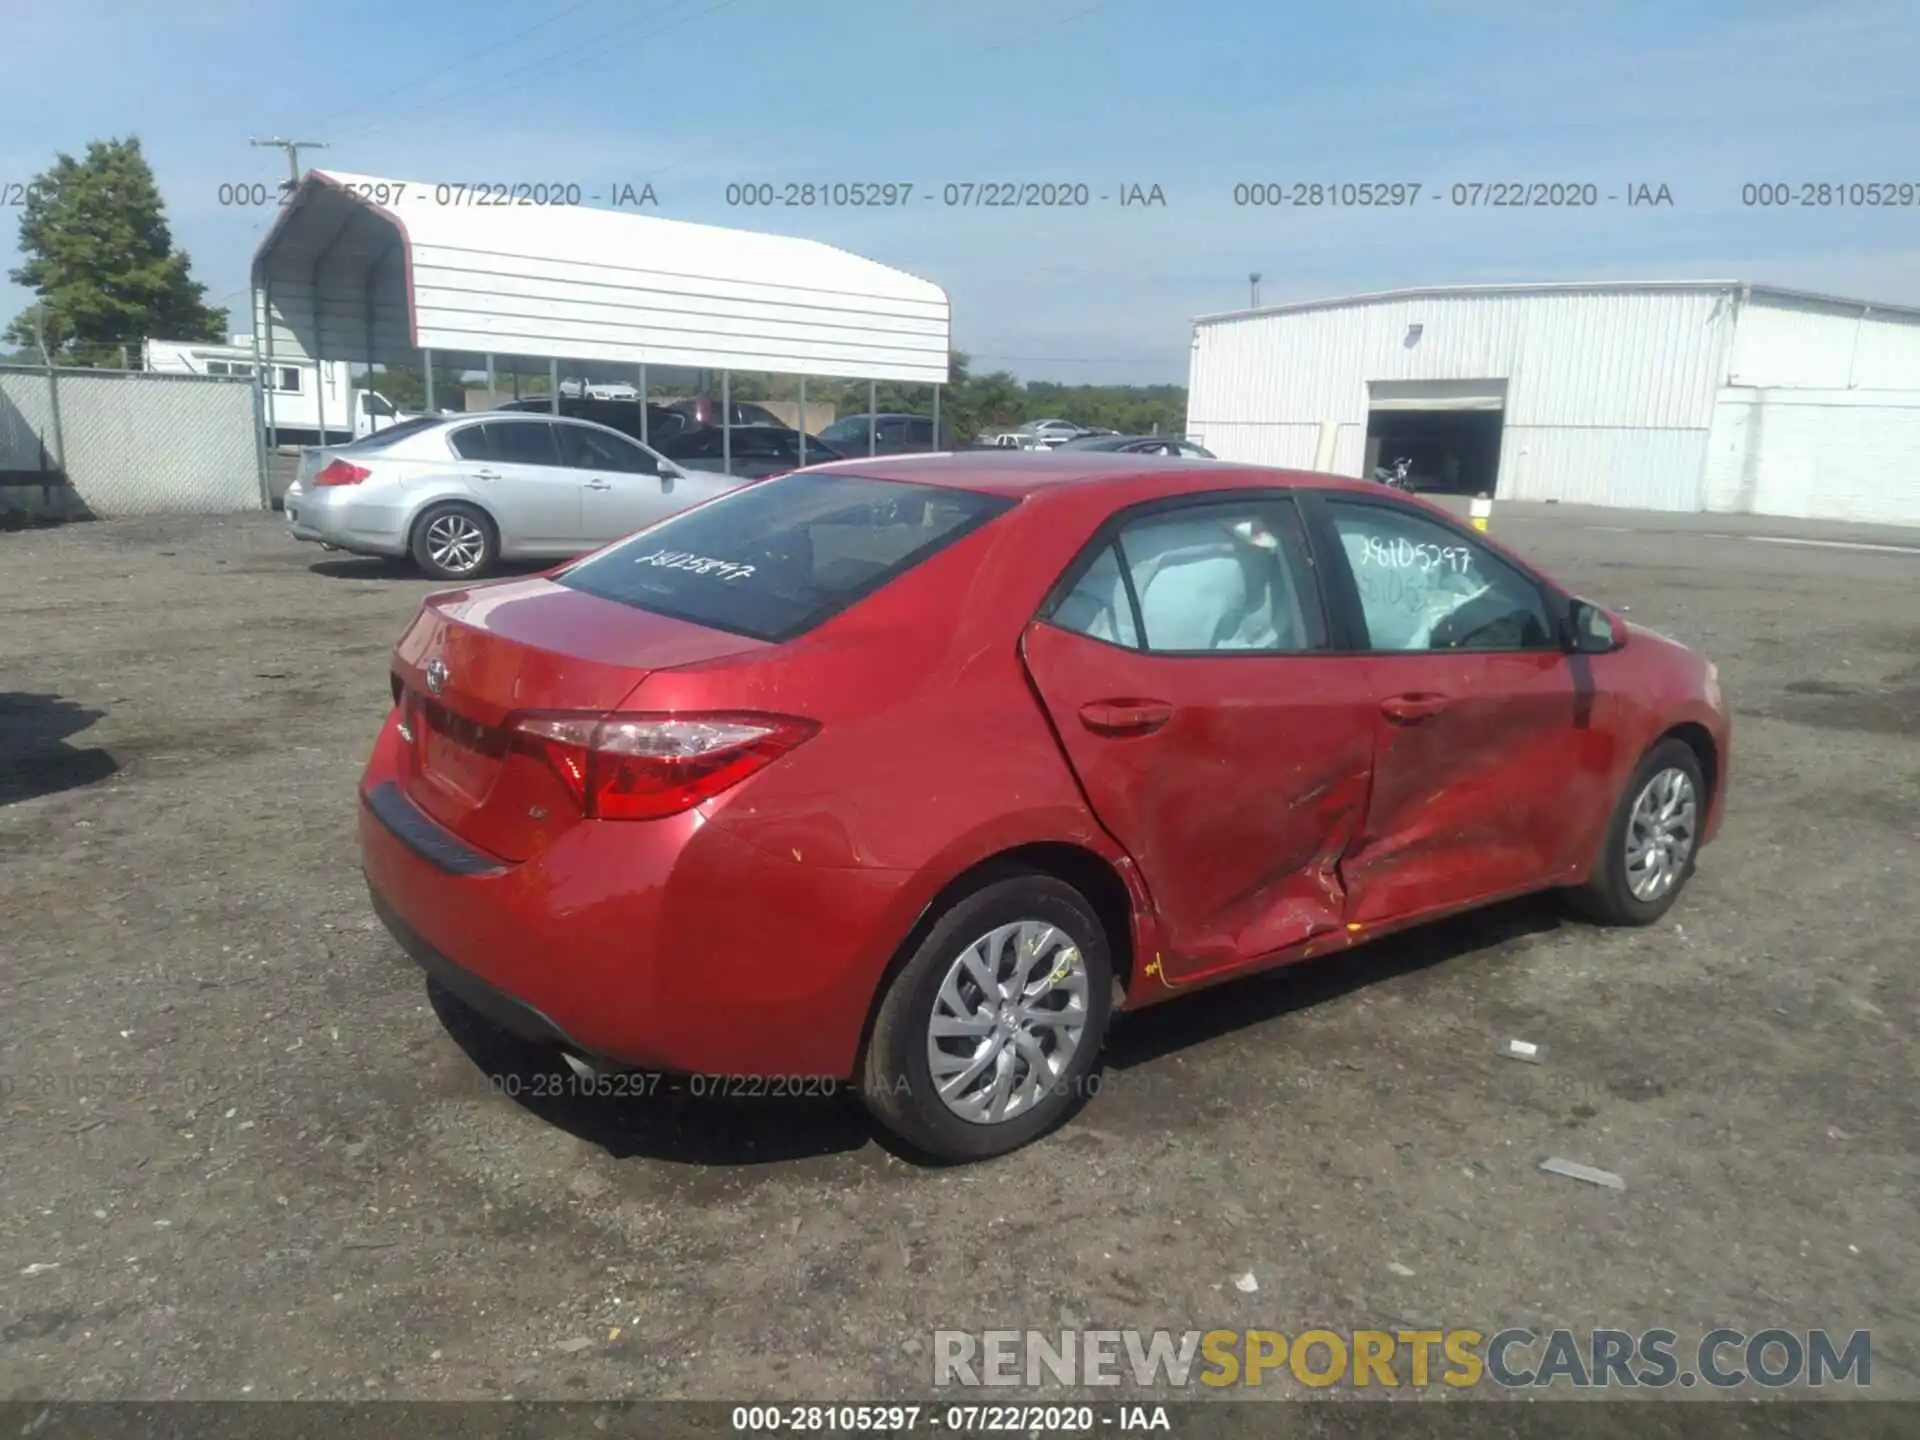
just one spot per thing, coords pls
(1704, 395)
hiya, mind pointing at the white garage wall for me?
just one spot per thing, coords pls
(1610, 389)
(1816, 454)
(1781, 343)
(1581, 465)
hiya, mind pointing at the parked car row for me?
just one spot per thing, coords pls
(663, 421)
(459, 493)
(1141, 445)
(1041, 435)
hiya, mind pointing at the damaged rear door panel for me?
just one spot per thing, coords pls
(1236, 777)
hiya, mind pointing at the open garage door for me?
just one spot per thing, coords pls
(1448, 430)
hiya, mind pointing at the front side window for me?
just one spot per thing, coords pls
(1215, 577)
(523, 442)
(843, 433)
(703, 446)
(584, 448)
(1424, 586)
(757, 444)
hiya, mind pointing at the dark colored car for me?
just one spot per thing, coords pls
(623, 415)
(909, 773)
(886, 434)
(756, 450)
(705, 410)
(1142, 445)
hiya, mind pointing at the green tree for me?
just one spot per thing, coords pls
(101, 262)
(407, 386)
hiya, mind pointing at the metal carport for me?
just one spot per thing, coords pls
(396, 273)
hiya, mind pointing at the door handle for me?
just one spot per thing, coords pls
(486, 474)
(599, 484)
(1413, 709)
(1125, 717)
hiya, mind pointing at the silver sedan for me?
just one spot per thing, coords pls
(460, 492)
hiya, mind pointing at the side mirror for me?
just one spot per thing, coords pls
(1589, 630)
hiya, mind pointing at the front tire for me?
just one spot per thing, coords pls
(1652, 842)
(988, 1034)
(455, 541)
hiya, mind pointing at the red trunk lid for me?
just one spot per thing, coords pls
(473, 659)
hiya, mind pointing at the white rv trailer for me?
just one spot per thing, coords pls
(291, 400)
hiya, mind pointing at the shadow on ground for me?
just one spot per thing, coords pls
(35, 758)
(681, 1119)
(655, 1116)
(1239, 1004)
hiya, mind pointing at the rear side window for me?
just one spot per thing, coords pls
(1210, 577)
(773, 560)
(470, 443)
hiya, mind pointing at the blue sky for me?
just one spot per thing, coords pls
(691, 95)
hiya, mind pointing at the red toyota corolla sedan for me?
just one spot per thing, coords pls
(908, 771)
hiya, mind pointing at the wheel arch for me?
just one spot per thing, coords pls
(1085, 869)
(1697, 738)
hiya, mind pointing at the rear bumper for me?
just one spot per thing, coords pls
(509, 1012)
(665, 944)
(346, 523)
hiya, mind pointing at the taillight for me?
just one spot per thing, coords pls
(341, 473)
(646, 767)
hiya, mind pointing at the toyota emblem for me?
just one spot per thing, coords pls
(436, 676)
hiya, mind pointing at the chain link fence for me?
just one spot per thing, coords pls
(110, 442)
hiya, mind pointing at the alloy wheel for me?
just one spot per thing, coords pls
(1661, 834)
(456, 542)
(1007, 1021)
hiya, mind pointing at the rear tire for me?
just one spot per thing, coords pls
(1652, 841)
(1011, 1071)
(453, 540)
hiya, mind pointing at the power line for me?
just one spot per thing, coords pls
(494, 87)
(472, 55)
(808, 117)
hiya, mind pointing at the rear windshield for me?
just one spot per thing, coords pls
(393, 434)
(775, 559)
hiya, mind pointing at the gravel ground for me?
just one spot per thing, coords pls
(244, 1152)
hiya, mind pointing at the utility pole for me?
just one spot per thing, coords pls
(293, 149)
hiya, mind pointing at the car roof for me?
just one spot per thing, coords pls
(523, 415)
(1130, 478)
